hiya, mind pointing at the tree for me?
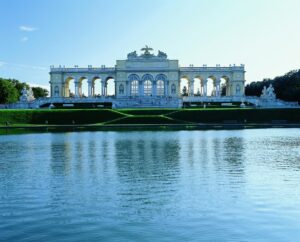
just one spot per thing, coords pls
(39, 92)
(8, 92)
(19, 85)
(287, 87)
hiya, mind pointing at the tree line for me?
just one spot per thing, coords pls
(11, 90)
(287, 87)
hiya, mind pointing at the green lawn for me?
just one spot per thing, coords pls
(147, 116)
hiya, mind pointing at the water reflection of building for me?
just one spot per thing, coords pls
(148, 169)
(152, 159)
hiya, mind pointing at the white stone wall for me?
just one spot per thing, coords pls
(154, 66)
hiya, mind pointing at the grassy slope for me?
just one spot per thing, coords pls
(58, 116)
(147, 116)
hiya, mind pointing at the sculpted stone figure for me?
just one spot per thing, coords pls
(162, 54)
(27, 95)
(264, 92)
(268, 93)
(271, 92)
(132, 54)
(24, 96)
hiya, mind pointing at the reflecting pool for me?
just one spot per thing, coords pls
(236, 185)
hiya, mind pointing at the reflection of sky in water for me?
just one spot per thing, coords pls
(178, 185)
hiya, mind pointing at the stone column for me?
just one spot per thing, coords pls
(127, 88)
(90, 88)
(102, 88)
(154, 88)
(166, 88)
(191, 87)
(205, 88)
(217, 88)
(76, 83)
(141, 88)
(62, 91)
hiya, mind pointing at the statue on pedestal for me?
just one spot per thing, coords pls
(264, 92)
(132, 55)
(271, 92)
(268, 93)
(27, 95)
(147, 50)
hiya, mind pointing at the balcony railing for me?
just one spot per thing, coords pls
(82, 69)
(212, 68)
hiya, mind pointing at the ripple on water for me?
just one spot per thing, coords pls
(151, 186)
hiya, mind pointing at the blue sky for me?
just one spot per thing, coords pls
(262, 34)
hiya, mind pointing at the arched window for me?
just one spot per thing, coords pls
(173, 89)
(160, 88)
(134, 88)
(147, 87)
(238, 89)
(121, 89)
(147, 80)
(56, 91)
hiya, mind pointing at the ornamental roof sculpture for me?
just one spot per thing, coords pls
(147, 54)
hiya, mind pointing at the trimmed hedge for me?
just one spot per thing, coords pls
(239, 115)
(57, 116)
(171, 116)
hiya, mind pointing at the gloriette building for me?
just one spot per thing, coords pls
(148, 80)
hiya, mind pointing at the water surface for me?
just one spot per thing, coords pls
(239, 185)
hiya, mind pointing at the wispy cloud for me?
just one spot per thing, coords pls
(24, 39)
(27, 28)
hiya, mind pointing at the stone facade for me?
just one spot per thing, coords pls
(147, 76)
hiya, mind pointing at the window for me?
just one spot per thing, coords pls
(173, 89)
(134, 88)
(160, 88)
(121, 89)
(147, 87)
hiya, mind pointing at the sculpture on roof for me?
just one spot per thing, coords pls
(147, 50)
(132, 55)
(162, 54)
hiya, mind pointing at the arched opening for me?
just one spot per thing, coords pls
(134, 88)
(197, 86)
(160, 88)
(224, 84)
(147, 83)
(134, 84)
(147, 88)
(161, 80)
(211, 90)
(110, 87)
(69, 87)
(184, 86)
(96, 87)
(83, 87)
